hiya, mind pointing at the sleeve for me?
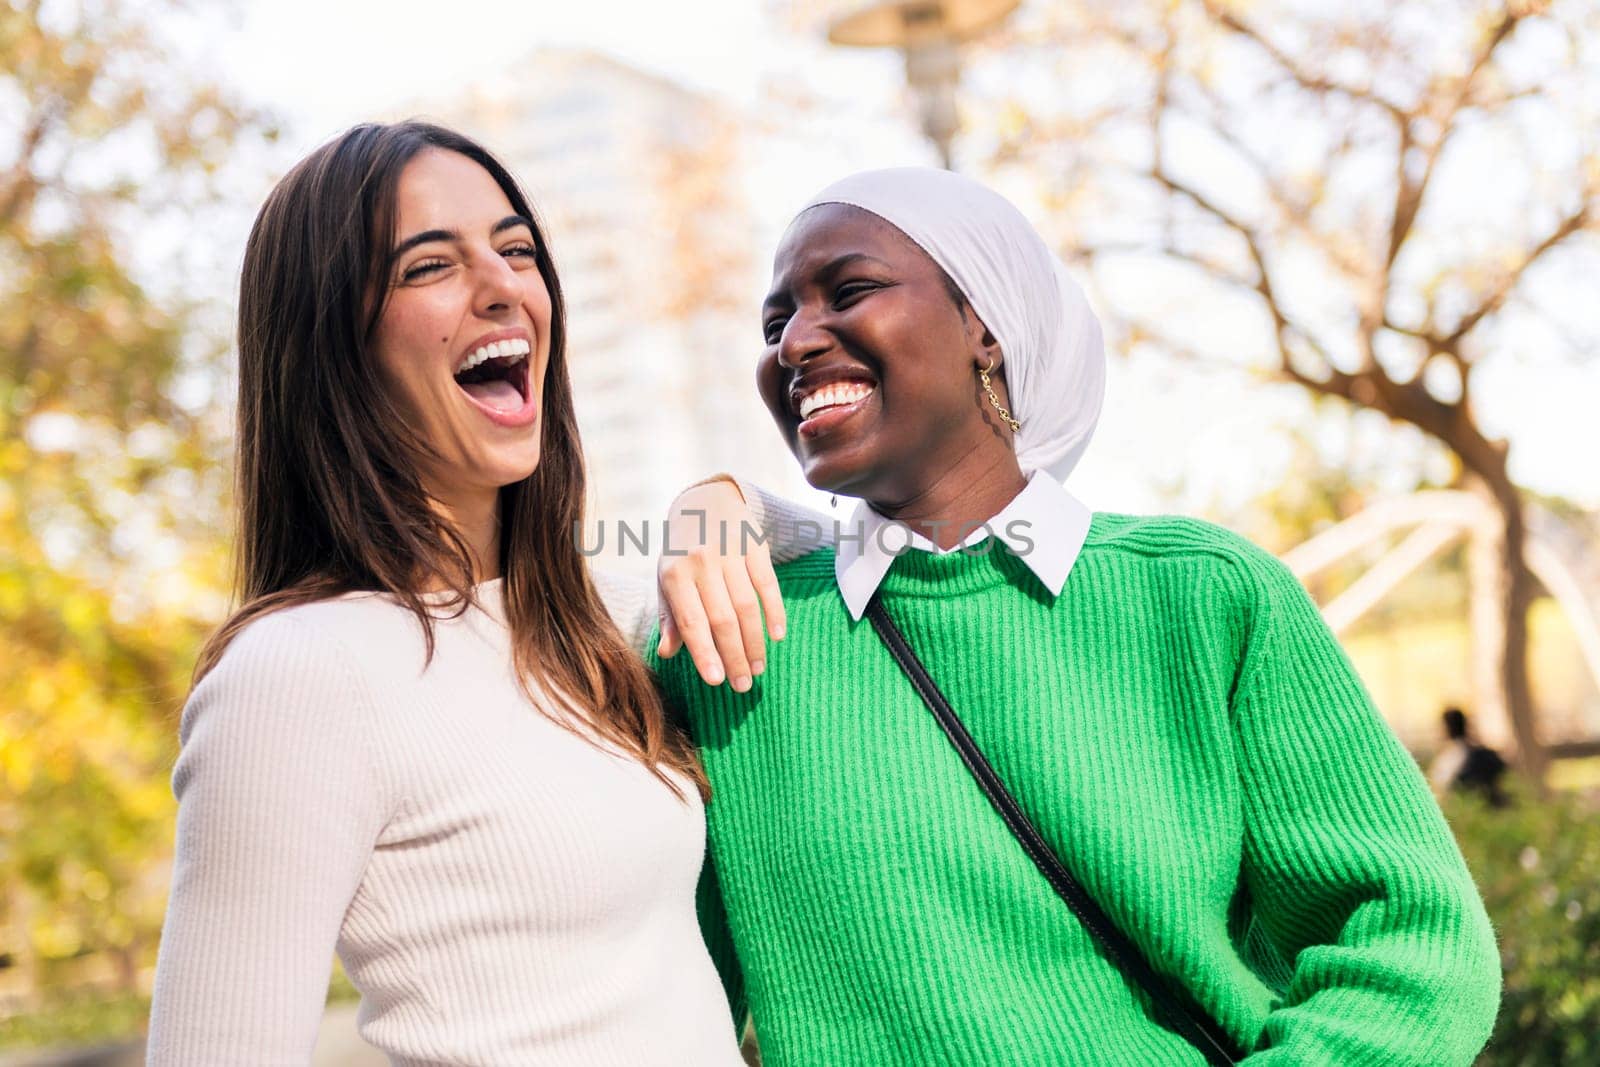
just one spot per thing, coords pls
(633, 601)
(719, 943)
(1351, 869)
(279, 809)
(793, 530)
(633, 604)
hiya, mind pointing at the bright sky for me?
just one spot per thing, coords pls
(331, 64)
(324, 65)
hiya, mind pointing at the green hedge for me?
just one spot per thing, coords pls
(80, 1020)
(70, 1022)
(1538, 866)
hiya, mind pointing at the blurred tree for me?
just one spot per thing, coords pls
(1368, 200)
(110, 151)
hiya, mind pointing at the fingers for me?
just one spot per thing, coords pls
(747, 610)
(713, 607)
(713, 602)
(670, 642)
(758, 566)
(684, 603)
(727, 636)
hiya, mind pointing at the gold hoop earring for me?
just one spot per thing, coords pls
(983, 376)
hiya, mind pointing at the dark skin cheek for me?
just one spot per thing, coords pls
(917, 336)
(769, 380)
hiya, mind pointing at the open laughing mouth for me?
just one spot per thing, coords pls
(495, 376)
(831, 405)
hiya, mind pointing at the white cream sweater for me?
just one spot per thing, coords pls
(500, 890)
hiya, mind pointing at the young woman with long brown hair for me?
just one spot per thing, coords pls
(422, 740)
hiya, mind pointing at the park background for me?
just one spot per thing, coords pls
(1346, 255)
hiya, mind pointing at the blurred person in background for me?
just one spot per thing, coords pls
(423, 741)
(1158, 697)
(1465, 765)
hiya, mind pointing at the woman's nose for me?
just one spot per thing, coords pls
(497, 287)
(803, 338)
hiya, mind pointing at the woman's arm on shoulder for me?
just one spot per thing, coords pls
(793, 530)
(279, 807)
(1352, 871)
(715, 577)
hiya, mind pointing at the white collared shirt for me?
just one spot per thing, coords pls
(1044, 525)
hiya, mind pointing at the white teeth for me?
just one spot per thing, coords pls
(833, 395)
(513, 350)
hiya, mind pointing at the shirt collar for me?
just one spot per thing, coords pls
(1044, 525)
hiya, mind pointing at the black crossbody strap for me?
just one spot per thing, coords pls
(1198, 1028)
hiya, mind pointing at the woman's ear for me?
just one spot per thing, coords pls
(985, 349)
(991, 351)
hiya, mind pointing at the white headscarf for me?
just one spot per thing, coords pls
(1054, 355)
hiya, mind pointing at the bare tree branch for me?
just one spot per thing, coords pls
(1497, 296)
(1407, 199)
(1577, 348)
(1397, 85)
(1284, 328)
(1409, 194)
(1306, 79)
(20, 184)
(1211, 268)
(1144, 332)
(1296, 214)
(1187, 192)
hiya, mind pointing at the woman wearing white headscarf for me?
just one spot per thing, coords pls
(1252, 863)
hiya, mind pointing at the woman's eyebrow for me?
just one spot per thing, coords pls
(423, 238)
(838, 263)
(511, 222)
(777, 297)
(426, 236)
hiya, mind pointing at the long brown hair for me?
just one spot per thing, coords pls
(329, 497)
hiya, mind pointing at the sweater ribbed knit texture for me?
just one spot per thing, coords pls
(501, 890)
(1189, 738)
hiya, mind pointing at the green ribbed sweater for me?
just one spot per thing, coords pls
(1189, 737)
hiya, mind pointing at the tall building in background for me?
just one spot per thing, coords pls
(640, 184)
